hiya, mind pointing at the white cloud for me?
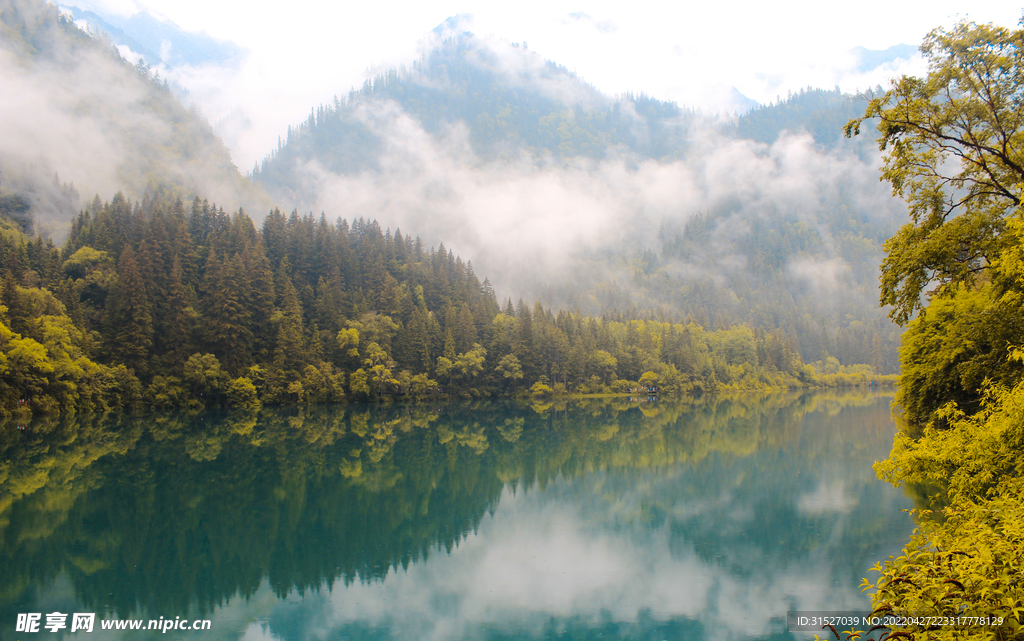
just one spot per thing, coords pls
(823, 276)
(524, 222)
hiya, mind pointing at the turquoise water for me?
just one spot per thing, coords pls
(597, 519)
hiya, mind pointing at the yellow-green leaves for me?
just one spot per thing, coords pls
(955, 152)
(964, 571)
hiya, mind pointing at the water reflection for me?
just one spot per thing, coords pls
(594, 519)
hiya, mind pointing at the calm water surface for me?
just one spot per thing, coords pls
(598, 519)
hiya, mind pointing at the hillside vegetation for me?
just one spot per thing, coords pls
(954, 274)
(76, 110)
(155, 304)
(774, 221)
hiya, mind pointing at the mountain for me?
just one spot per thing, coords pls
(608, 205)
(507, 99)
(662, 250)
(818, 112)
(627, 206)
(158, 40)
(79, 119)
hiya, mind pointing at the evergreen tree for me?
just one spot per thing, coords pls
(260, 300)
(226, 315)
(130, 336)
(289, 354)
(179, 317)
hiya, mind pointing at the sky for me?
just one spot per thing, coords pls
(304, 52)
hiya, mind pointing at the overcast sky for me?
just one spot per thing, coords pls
(304, 52)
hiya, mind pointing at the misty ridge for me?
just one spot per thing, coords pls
(74, 109)
(583, 201)
(553, 190)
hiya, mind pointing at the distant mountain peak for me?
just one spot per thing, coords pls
(454, 25)
(868, 59)
(156, 38)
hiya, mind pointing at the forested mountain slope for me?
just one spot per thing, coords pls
(819, 112)
(73, 108)
(155, 301)
(165, 305)
(508, 98)
(612, 204)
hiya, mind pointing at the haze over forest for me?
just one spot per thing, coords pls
(553, 190)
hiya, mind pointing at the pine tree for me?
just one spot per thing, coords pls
(11, 299)
(289, 354)
(465, 329)
(226, 315)
(130, 322)
(179, 319)
(261, 300)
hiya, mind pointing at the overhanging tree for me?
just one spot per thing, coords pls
(955, 153)
(954, 144)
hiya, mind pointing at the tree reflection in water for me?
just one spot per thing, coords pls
(176, 513)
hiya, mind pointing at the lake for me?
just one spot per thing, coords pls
(614, 518)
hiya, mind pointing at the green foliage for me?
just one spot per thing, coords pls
(967, 566)
(322, 384)
(509, 369)
(541, 389)
(47, 369)
(972, 455)
(470, 364)
(378, 367)
(358, 383)
(349, 339)
(954, 143)
(242, 393)
(316, 312)
(650, 380)
(166, 392)
(205, 379)
(84, 261)
(130, 322)
(954, 345)
(955, 153)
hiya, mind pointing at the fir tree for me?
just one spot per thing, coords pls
(179, 319)
(289, 353)
(130, 321)
(226, 315)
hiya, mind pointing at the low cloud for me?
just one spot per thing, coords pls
(528, 219)
(823, 276)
